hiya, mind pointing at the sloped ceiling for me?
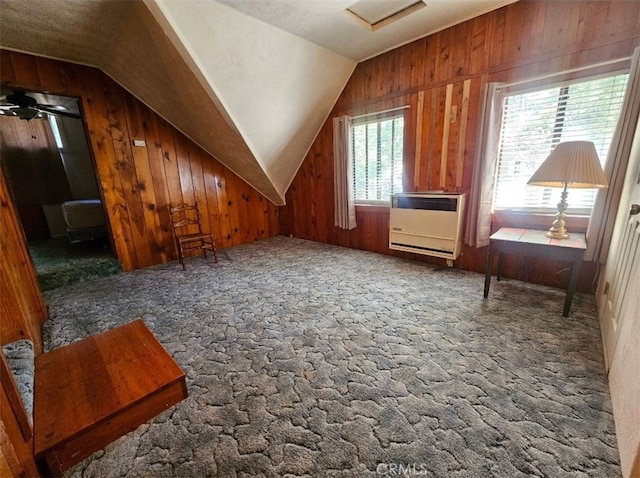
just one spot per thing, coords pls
(126, 41)
(252, 84)
(276, 87)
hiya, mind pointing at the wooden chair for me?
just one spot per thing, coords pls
(187, 231)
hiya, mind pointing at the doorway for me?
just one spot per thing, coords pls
(50, 173)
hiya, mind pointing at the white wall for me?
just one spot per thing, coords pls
(76, 159)
(276, 88)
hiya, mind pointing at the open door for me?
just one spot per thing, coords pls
(623, 286)
(619, 285)
(619, 309)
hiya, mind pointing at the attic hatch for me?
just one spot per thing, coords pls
(374, 14)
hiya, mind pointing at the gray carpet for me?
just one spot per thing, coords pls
(304, 359)
(20, 358)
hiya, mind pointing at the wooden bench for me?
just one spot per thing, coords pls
(89, 393)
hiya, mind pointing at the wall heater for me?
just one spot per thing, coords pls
(427, 223)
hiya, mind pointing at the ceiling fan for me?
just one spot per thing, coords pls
(19, 104)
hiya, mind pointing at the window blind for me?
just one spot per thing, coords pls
(535, 122)
(377, 157)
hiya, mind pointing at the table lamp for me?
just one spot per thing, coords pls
(573, 164)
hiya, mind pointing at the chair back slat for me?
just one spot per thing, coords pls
(185, 216)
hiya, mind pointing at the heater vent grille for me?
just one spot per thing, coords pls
(429, 224)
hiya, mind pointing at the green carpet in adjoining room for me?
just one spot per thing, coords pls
(58, 262)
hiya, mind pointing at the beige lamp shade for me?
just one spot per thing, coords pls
(573, 164)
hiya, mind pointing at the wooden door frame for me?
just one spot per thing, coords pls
(81, 98)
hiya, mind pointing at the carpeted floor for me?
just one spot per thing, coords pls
(304, 359)
(59, 263)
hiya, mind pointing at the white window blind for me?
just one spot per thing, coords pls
(377, 157)
(535, 122)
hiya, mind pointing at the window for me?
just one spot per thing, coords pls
(535, 122)
(377, 145)
(55, 129)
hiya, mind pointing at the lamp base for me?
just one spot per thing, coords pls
(558, 229)
(557, 234)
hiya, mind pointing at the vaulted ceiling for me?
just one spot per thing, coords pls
(251, 81)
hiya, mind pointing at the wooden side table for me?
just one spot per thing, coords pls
(91, 392)
(533, 242)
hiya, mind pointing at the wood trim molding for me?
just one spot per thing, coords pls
(527, 220)
(372, 208)
(15, 402)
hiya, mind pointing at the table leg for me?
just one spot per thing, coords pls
(573, 280)
(487, 275)
(500, 265)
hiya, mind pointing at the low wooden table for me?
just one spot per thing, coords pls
(533, 242)
(91, 392)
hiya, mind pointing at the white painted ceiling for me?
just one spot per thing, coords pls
(250, 81)
(326, 23)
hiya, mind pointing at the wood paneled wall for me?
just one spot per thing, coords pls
(442, 77)
(22, 308)
(22, 311)
(16, 454)
(33, 170)
(138, 183)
